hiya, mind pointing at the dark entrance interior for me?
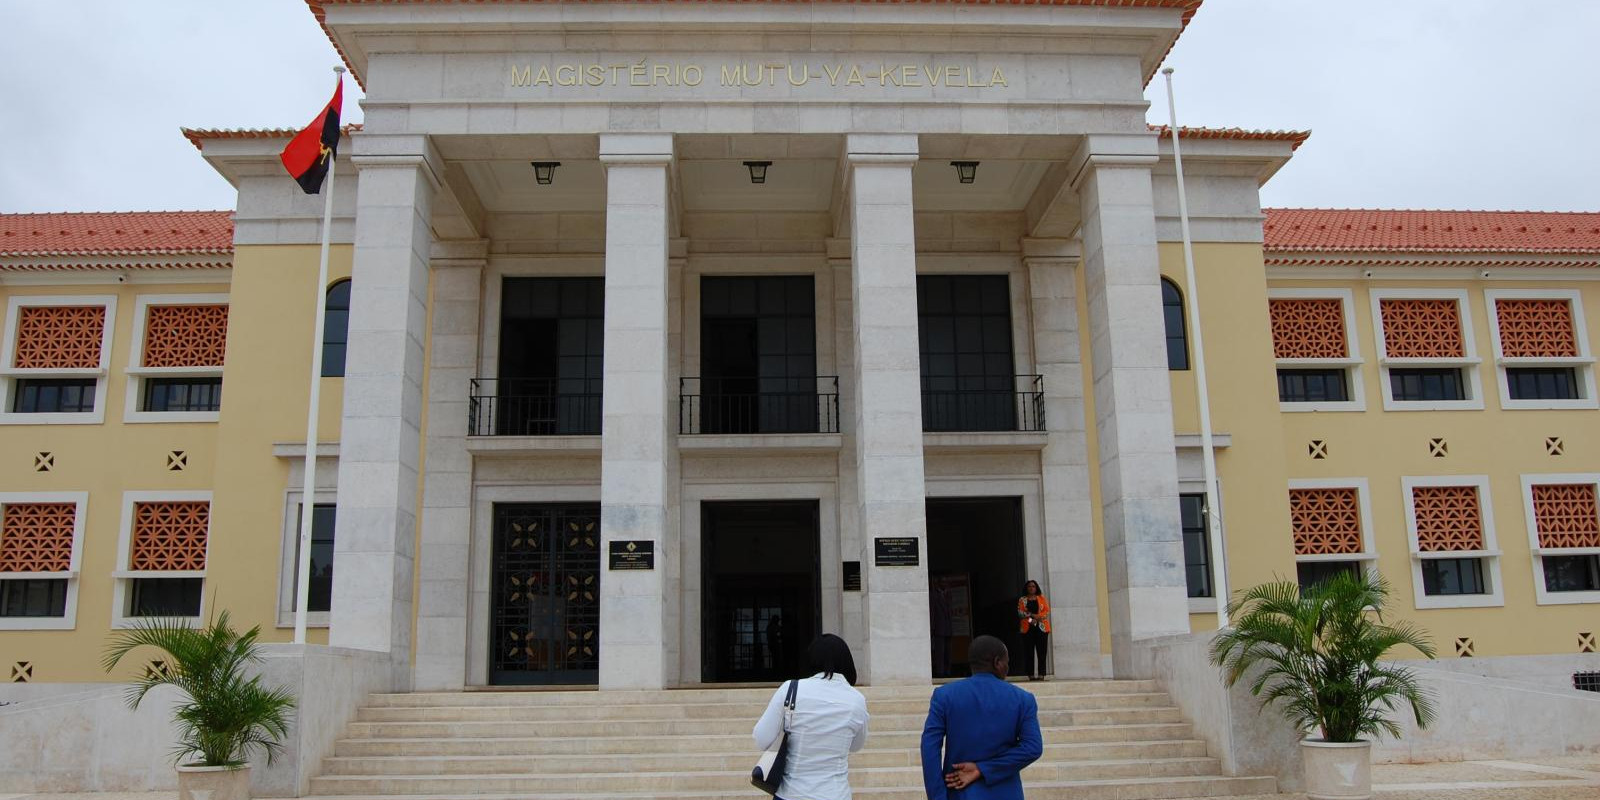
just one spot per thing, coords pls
(762, 596)
(758, 355)
(544, 601)
(552, 332)
(975, 575)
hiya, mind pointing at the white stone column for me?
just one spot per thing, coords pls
(1133, 398)
(634, 468)
(853, 543)
(888, 416)
(1070, 555)
(446, 541)
(380, 441)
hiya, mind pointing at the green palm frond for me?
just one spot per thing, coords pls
(226, 714)
(1316, 654)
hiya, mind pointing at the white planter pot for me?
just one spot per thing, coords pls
(1335, 770)
(213, 783)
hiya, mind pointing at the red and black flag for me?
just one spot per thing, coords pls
(311, 150)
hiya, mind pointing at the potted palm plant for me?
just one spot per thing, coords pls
(1314, 653)
(225, 715)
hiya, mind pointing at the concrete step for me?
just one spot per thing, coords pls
(1143, 788)
(758, 694)
(685, 780)
(494, 740)
(729, 758)
(711, 710)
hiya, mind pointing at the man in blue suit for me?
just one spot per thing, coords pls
(987, 728)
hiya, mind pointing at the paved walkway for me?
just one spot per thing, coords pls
(1564, 778)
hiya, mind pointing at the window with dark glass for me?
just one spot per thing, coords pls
(336, 329)
(758, 355)
(1542, 383)
(1449, 576)
(320, 595)
(1196, 544)
(1312, 386)
(1177, 333)
(969, 378)
(46, 597)
(1311, 573)
(165, 597)
(1426, 385)
(1572, 573)
(53, 395)
(552, 335)
(182, 394)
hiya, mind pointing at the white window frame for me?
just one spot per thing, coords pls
(1368, 557)
(69, 618)
(1583, 364)
(9, 374)
(132, 410)
(1490, 554)
(1472, 382)
(1351, 363)
(1544, 596)
(289, 553)
(122, 575)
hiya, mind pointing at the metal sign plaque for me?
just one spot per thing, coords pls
(899, 551)
(633, 554)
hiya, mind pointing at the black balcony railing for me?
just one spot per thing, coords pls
(758, 405)
(533, 407)
(975, 404)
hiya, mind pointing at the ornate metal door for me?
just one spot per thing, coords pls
(545, 594)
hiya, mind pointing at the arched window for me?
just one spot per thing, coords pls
(1177, 335)
(336, 329)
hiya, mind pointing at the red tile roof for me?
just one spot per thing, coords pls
(1297, 138)
(122, 233)
(1189, 7)
(197, 135)
(1381, 231)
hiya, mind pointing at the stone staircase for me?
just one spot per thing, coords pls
(1104, 740)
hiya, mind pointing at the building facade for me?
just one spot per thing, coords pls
(663, 338)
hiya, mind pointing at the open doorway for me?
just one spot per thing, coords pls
(760, 583)
(976, 568)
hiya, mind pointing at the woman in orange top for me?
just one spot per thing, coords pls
(1034, 612)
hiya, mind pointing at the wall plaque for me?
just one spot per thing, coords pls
(852, 576)
(898, 551)
(633, 554)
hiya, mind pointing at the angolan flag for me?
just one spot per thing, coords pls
(311, 150)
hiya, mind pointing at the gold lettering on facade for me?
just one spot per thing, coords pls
(522, 77)
(649, 75)
(833, 73)
(854, 78)
(543, 78)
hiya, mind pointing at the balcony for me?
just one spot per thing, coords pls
(744, 414)
(993, 412)
(521, 407)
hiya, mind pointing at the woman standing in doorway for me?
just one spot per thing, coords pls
(1034, 612)
(829, 723)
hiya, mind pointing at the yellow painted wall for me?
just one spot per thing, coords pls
(1383, 446)
(104, 460)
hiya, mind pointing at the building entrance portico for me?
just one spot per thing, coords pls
(899, 310)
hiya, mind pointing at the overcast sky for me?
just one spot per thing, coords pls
(1417, 104)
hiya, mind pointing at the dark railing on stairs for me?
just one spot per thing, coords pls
(533, 407)
(807, 404)
(982, 403)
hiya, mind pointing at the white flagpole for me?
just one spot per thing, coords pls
(308, 490)
(1219, 561)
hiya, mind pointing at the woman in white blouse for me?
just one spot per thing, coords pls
(829, 723)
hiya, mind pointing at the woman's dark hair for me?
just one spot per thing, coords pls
(1034, 584)
(829, 655)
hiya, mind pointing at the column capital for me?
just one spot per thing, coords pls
(880, 148)
(1112, 150)
(384, 150)
(636, 148)
(459, 253)
(1068, 251)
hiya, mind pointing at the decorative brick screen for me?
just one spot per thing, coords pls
(1326, 521)
(1448, 518)
(1566, 515)
(170, 535)
(1536, 329)
(1308, 328)
(1421, 329)
(185, 336)
(59, 337)
(37, 537)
